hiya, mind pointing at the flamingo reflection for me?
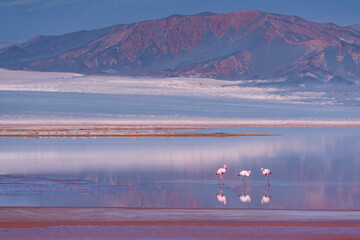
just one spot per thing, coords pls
(244, 197)
(221, 197)
(266, 198)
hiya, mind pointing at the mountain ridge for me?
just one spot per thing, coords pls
(355, 26)
(241, 45)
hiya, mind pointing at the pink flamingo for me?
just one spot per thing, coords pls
(243, 174)
(220, 172)
(266, 172)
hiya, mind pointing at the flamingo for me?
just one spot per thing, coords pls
(266, 172)
(220, 172)
(243, 174)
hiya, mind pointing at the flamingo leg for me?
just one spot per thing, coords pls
(221, 179)
(267, 177)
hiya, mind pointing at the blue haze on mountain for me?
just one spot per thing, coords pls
(21, 20)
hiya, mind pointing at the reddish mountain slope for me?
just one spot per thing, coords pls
(355, 27)
(241, 45)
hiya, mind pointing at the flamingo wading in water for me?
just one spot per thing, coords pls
(266, 172)
(220, 172)
(243, 174)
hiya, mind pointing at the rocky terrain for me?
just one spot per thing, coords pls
(243, 45)
(356, 27)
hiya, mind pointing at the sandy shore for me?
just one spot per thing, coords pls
(107, 223)
(147, 129)
(111, 130)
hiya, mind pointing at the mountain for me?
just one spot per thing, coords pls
(240, 45)
(355, 27)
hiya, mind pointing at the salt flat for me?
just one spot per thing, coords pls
(205, 87)
(69, 97)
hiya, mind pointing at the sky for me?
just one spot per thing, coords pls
(21, 20)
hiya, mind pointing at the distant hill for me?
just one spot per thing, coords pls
(355, 27)
(240, 45)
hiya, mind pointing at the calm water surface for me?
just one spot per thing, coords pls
(313, 168)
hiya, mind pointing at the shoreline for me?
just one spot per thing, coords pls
(137, 135)
(42, 224)
(148, 129)
(12, 217)
(110, 223)
(170, 121)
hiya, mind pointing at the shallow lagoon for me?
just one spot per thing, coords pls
(313, 168)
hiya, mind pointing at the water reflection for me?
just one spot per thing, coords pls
(244, 197)
(266, 198)
(220, 196)
(179, 172)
